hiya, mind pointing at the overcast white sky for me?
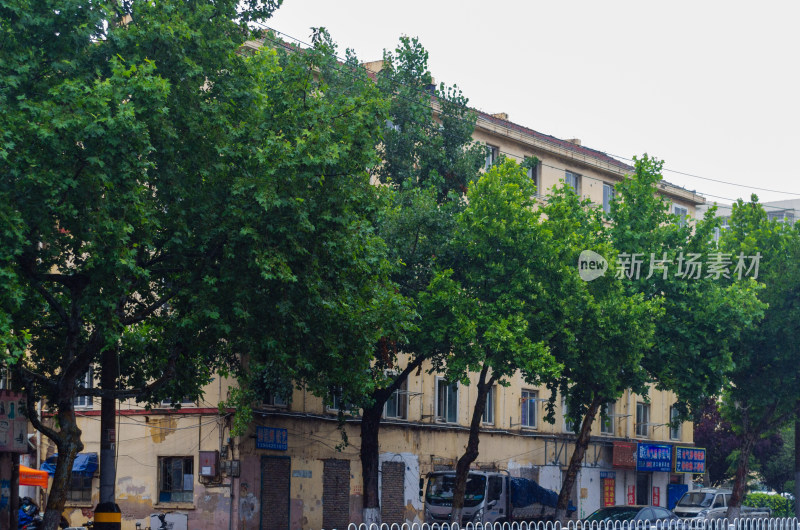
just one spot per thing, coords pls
(712, 88)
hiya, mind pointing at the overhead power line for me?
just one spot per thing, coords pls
(713, 180)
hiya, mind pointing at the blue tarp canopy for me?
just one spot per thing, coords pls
(525, 492)
(85, 464)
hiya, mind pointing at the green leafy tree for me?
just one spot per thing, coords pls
(184, 206)
(762, 395)
(605, 333)
(328, 292)
(703, 313)
(428, 157)
(498, 293)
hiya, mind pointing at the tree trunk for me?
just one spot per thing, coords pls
(370, 460)
(69, 445)
(797, 461)
(370, 445)
(740, 481)
(471, 452)
(581, 444)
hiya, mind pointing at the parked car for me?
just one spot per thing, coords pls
(643, 514)
(712, 503)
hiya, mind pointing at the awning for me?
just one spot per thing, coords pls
(85, 464)
(32, 477)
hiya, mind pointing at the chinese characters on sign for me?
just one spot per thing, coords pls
(271, 438)
(654, 457)
(690, 460)
(689, 266)
(609, 487)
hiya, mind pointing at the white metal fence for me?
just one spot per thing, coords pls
(683, 524)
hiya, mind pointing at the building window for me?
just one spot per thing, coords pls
(446, 401)
(80, 488)
(275, 400)
(488, 412)
(492, 154)
(184, 402)
(338, 403)
(176, 479)
(719, 229)
(681, 212)
(675, 426)
(528, 403)
(87, 381)
(534, 174)
(569, 425)
(573, 180)
(782, 216)
(397, 405)
(642, 419)
(608, 196)
(607, 419)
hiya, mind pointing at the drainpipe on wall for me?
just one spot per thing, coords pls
(629, 419)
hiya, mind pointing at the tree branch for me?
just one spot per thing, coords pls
(71, 281)
(52, 302)
(384, 393)
(138, 317)
(168, 374)
(33, 416)
(32, 376)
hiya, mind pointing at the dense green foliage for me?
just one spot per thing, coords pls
(318, 271)
(495, 298)
(501, 281)
(604, 332)
(428, 158)
(768, 352)
(190, 207)
(703, 316)
(780, 506)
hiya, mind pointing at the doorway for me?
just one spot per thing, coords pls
(642, 488)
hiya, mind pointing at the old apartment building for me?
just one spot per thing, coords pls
(289, 470)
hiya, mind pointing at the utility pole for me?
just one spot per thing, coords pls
(107, 515)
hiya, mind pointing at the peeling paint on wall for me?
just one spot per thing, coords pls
(162, 427)
(126, 486)
(248, 507)
(298, 519)
(412, 474)
(133, 499)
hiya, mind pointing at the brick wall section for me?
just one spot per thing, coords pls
(276, 476)
(335, 494)
(392, 485)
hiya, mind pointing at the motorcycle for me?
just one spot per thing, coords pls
(29, 517)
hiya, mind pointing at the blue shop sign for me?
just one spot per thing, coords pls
(690, 460)
(654, 457)
(272, 438)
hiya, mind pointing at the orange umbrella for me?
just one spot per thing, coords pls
(32, 477)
